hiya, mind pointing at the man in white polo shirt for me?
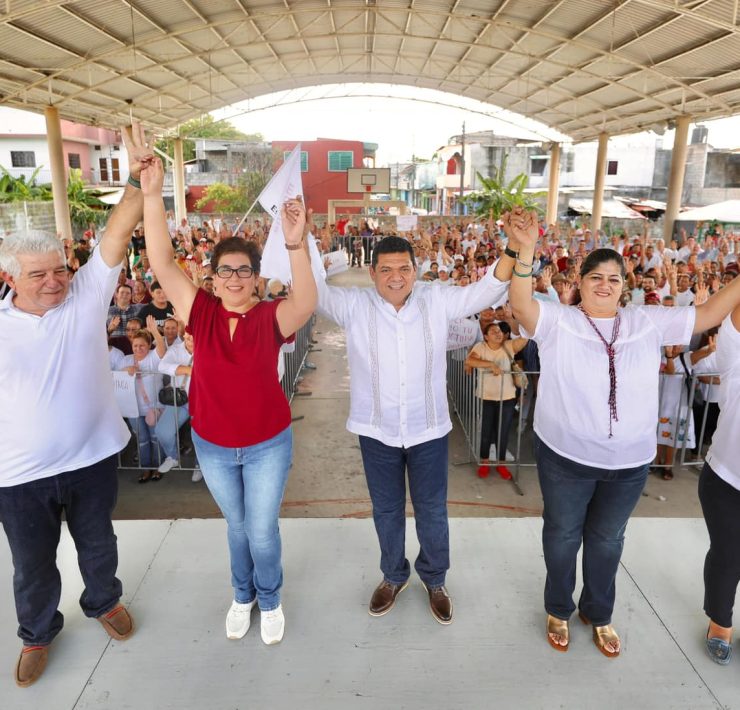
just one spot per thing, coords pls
(62, 434)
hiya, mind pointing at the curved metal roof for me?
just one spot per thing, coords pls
(579, 66)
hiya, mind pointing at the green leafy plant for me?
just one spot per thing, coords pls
(20, 189)
(499, 195)
(84, 205)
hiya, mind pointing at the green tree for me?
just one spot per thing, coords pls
(204, 127)
(225, 198)
(499, 195)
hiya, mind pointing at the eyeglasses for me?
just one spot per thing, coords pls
(243, 272)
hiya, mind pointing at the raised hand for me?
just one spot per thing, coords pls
(293, 215)
(711, 345)
(151, 325)
(152, 178)
(702, 295)
(139, 151)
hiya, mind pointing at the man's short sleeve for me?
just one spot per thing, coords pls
(96, 277)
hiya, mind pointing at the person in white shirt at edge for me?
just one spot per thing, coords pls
(594, 422)
(54, 367)
(396, 346)
(143, 364)
(177, 363)
(719, 494)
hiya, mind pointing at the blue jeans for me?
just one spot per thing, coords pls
(31, 515)
(167, 427)
(589, 505)
(150, 454)
(248, 484)
(385, 470)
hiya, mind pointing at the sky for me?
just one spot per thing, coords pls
(403, 121)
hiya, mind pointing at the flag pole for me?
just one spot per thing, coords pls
(246, 214)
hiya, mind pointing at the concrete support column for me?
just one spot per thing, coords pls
(598, 201)
(178, 181)
(553, 185)
(675, 181)
(58, 172)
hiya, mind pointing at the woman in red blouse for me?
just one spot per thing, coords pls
(239, 415)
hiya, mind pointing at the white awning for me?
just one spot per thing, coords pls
(727, 212)
(610, 208)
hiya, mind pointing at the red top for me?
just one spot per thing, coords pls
(235, 395)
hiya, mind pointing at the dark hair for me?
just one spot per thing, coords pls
(131, 320)
(600, 256)
(125, 286)
(155, 285)
(503, 326)
(237, 245)
(393, 245)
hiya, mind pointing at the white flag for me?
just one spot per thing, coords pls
(285, 184)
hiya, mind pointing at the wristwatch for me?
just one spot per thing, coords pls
(510, 252)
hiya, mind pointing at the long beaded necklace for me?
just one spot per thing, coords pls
(612, 370)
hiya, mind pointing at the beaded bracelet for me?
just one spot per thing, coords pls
(134, 182)
(524, 263)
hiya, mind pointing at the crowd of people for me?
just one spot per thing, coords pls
(595, 320)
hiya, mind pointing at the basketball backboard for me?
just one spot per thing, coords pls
(369, 180)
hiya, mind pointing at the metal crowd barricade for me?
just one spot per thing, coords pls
(130, 458)
(700, 407)
(295, 360)
(462, 387)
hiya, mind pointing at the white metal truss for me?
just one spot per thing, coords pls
(580, 66)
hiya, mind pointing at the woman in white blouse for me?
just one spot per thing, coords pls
(594, 421)
(719, 493)
(143, 364)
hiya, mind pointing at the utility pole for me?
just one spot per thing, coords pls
(462, 171)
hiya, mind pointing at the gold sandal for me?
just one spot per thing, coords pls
(557, 627)
(603, 635)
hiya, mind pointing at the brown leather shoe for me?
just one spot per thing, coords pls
(440, 604)
(384, 597)
(31, 664)
(118, 623)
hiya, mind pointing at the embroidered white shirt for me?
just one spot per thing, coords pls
(397, 359)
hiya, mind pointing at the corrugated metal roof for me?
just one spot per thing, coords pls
(581, 66)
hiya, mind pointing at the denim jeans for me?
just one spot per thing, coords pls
(720, 503)
(589, 505)
(150, 453)
(31, 514)
(248, 484)
(167, 427)
(385, 470)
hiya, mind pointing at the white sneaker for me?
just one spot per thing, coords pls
(197, 475)
(272, 625)
(238, 619)
(167, 465)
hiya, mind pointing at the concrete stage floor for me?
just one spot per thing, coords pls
(334, 655)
